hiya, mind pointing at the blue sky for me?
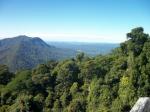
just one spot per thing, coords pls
(73, 20)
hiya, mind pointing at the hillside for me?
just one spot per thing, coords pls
(110, 83)
(24, 52)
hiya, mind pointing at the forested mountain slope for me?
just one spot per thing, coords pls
(110, 83)
(24, 52)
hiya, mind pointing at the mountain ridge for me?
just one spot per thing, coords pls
(23, 52)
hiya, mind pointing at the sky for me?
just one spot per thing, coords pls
(73, 20)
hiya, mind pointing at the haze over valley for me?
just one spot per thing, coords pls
(90, 49)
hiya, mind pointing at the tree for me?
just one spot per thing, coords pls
(57, 106)
(77, 105)
(80, 56)
(49, 99)
(5, 75)
(67, 73)
(137, 38)
(74, 88)
(132, 35)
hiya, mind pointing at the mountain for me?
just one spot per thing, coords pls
(91, 49)
(23, 52)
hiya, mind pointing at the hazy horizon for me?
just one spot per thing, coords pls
(64, 41)
(102, 21)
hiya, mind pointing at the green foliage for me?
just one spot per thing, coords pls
(49, 99)
(80, 56)
(109, 83)
(66, 73)
(57, 106)
(74, 88)
(5, 75)
(77, 105)
(18, 84)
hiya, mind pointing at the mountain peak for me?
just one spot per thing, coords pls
(37, 40)
(22, 37)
